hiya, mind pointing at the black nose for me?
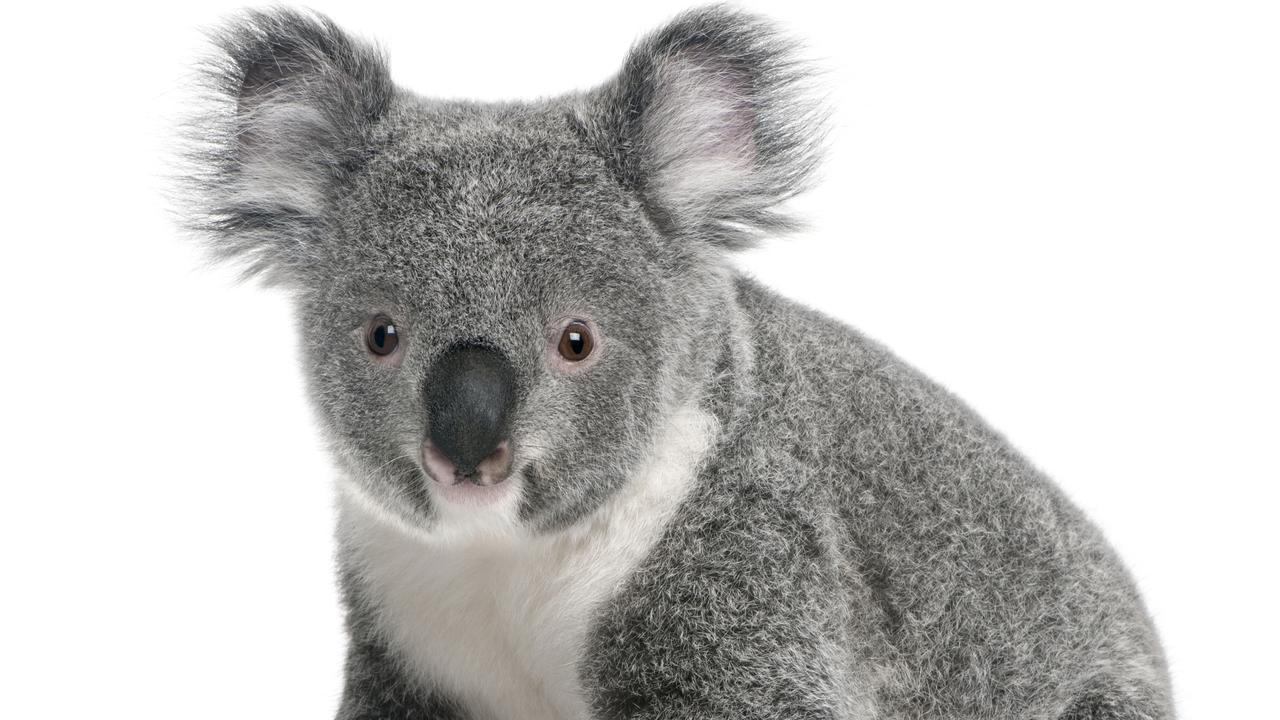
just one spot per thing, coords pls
(470, 394)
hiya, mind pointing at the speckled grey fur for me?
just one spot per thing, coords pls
(857, 544)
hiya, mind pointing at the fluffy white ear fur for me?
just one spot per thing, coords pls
(710, 122)
(700, 133)
(284, 158)
(291, 100)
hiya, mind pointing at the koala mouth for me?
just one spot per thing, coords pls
(489, 471)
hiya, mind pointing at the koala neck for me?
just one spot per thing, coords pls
(727, 369)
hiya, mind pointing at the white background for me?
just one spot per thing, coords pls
(1065, 212)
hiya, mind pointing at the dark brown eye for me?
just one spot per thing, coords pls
(576, 342)
(382, 338)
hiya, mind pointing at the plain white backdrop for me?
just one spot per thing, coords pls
(1066, 212)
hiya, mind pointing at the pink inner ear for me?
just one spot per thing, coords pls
(700, 130)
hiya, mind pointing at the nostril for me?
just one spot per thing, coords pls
(438, 465)
(499, 453)
(495, 466)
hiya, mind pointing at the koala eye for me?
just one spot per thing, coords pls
(382, 338)
(576, 342)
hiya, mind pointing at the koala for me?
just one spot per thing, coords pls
(586, 467)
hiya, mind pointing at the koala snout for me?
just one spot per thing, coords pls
(470, 397)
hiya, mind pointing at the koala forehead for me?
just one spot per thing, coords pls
(496, 189)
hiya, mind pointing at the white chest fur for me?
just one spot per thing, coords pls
(498, 616)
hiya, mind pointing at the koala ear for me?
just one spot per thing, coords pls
(710, 124)
(293, 100)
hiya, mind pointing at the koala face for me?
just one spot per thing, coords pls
(521, 280)
(499, 303)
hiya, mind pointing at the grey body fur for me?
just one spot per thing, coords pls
(852, 543)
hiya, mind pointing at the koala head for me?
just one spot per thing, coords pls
(499, 303)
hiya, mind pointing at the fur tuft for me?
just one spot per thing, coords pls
(711, 122)
(290, 98)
